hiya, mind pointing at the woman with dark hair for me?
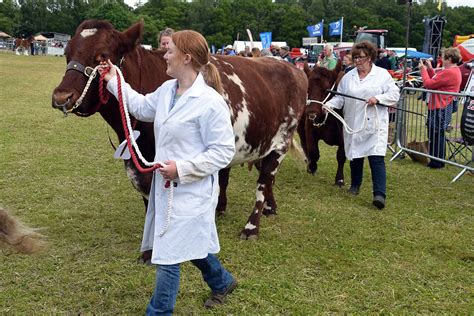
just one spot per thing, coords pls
(440, 107)
(368, 120)
(194, 139)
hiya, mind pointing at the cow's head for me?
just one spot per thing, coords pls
(319, 80)
(94, 41)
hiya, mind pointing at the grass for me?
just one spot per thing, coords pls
(325, 252)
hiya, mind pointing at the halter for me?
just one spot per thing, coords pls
(313, 116)
(91, 73)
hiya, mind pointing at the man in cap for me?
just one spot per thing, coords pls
(229, 50)
(285, 53)
(275, 49)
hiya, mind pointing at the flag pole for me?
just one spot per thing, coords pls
(342, 28)
(322, 30)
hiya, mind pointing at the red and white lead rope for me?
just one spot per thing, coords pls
(132, 143)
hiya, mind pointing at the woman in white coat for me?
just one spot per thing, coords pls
(194, 139)
(373, 84)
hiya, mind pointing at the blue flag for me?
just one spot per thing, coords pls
(315, 30)
(266, 38)
(335, 28)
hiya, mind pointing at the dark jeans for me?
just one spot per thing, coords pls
(377, 168)
(438, 121)
(167, 283)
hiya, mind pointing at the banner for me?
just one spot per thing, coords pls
(335, 28)
(315, 30)
(266, 38)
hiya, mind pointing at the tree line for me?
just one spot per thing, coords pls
(223, 21)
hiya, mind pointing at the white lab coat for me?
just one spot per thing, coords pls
(373, 139)
(196, 133)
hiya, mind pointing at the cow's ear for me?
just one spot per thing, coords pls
(133, 35)
(338, 66)
(306, 68)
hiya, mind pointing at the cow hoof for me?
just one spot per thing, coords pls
(268, 212)
(141, 260)
(339, 183)
(145, 258)
(244, 236)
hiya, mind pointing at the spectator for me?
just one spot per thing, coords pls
(194, 140)
(266, 53)
(392, 57)
(229, 50)
(347, 64)
(285, 53)
(370, 120)
(164, 38)
(440, 106)
(328, 61)
(256, 52)
(275, 49)
(383, 61)
(247, 50)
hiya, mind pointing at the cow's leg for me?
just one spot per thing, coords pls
(341, 160)
(264, 194)
(311, 149)
(223, 182)
(302, 134)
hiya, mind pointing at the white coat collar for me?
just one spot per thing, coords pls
(371, 73)
(198, 87)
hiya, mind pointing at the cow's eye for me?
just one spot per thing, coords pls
(103, 56)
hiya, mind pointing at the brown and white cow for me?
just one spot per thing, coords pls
(317, 125)
(266, 96)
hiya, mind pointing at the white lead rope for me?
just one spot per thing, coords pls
(347, 128)
(170, 194)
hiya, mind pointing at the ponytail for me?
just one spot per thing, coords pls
(193, 43)
(212, 77)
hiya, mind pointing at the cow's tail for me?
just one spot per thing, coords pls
(296, 150)
(19, 237)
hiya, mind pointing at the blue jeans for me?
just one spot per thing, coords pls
(167, 283)
(377, 168)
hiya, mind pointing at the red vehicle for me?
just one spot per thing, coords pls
(376, 37)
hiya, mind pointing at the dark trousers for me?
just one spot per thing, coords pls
(377, 168)
(437, 146)
(438, 121)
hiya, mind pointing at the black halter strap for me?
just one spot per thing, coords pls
(75, 65)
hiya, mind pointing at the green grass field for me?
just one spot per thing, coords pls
(325, 252)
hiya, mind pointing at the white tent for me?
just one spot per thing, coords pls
(40, 37)
(3, 34)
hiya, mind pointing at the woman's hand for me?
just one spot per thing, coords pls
(372, 101)
(169, 171)
(112, 71)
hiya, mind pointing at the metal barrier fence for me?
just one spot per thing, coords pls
(433, 134)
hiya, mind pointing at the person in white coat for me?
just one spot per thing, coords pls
(194, 139)
(368, 120)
